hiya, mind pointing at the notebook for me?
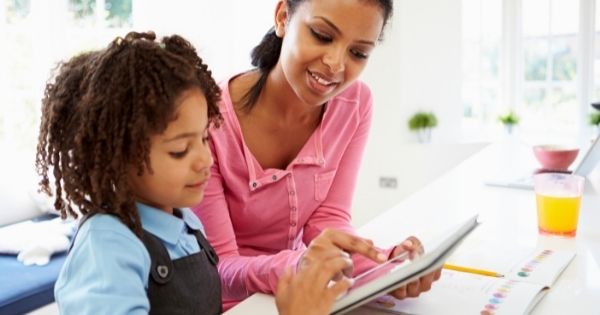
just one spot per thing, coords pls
(526, 278)
(585, 166)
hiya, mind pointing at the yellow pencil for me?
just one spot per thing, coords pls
(473, 270)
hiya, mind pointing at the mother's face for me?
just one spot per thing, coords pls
(326, 45)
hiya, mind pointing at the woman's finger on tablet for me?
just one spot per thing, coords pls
(353, 244)
(399, 293)
(426, 282)
(412, 245)
(428, 279)
(437, 274)
(413, 289)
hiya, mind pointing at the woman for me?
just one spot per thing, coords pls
(291, 142)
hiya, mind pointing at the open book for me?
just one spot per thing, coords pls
(520, 285)
(398, 272)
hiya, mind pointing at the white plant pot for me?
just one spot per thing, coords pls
(424, 135)
(509, 128)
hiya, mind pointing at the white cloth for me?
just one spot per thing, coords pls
(35, 242)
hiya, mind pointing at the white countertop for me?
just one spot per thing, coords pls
(508, 215)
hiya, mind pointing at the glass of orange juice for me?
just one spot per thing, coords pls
(558, 198)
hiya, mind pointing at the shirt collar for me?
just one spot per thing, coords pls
(167, 226)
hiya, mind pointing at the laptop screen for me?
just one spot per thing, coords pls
(590, 160)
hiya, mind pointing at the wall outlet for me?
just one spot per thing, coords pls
(388, 182)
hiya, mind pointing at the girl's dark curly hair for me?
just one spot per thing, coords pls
(98, 115)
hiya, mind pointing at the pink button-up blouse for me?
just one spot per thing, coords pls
(260, 220)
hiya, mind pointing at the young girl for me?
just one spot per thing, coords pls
(291, 142)
(123, 142)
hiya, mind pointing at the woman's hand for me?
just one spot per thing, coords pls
(413, 246)
(331, 243)
(311, 289)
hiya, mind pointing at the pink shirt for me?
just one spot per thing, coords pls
(259, 220)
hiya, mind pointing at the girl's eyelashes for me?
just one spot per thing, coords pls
(205, 136)
(179, 154)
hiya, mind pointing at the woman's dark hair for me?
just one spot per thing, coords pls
(266, 54)
(99, 112)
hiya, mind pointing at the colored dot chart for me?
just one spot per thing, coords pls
(495, 301)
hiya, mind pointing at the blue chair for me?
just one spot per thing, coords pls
(26, 288)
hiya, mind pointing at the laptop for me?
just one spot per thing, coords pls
(585, 166)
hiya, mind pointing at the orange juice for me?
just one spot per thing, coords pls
(558, 215)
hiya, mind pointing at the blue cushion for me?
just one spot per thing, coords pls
(25, 288)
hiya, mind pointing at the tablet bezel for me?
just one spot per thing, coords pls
(428, 262)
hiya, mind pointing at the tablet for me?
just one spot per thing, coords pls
(400, 271)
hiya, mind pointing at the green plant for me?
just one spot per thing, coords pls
(595, 119)
(422, 120)
(509, 118)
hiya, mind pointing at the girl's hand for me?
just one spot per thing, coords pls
(311, 289)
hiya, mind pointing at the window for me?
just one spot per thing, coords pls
(596, 74)
(36, 35)
(549, 88)
(481, 64)
(542, 82)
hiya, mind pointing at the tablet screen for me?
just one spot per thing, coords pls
(380, 270)
(400, 270)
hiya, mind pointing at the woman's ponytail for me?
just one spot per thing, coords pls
(264, 58)
(265, 55)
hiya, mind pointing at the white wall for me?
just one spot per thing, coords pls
(416, 67)
(224, 32)
(412, 165)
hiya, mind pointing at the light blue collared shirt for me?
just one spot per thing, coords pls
(107, 269)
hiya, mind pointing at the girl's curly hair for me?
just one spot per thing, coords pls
(99, 112)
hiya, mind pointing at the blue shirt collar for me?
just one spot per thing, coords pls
(166, 226)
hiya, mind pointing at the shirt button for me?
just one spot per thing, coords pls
(292, 193)
(321, 161)
(291, 238)
(293, 224)
(163, 271)
(274, 177)
(254, 184)
(294, 208)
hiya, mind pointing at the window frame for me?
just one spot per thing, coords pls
(513, 83)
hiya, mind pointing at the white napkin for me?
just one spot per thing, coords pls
(35, 242)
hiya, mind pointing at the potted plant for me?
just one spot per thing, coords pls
(509, 120)
(422, 123)
(595, 121)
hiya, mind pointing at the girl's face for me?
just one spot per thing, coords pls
(326, 45)
(180, 158)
